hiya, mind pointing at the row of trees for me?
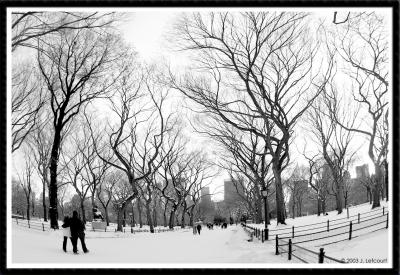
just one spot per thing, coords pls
(95, 110)
(263, 73)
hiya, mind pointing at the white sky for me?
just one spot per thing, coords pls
(147, 32)
(147, 29)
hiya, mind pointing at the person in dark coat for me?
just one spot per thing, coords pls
(77, 231)
(198, 228)
(66, 232)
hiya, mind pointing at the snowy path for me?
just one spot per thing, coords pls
(212, 246)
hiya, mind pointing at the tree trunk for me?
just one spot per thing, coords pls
(280, 202)
(376, 187)
(124, 219)
(133, 223)
(120, 211)
(83, 211)
(323, 206)
(155, 214)
(319, 206)
(183, 217)
(149, 218)
(139, 208)
(191, 216)
(44, 202)
(106, 214)
(386, 180)
(28, 208)
(172, 218)
(339, 196)
(293, 206)
(53, 175)
(165, 215)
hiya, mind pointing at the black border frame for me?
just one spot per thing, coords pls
(394, 4)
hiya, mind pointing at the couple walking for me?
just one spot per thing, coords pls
(73, 228)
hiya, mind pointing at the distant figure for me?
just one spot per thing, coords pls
(198, 228)
(77, 231)
(66, 232)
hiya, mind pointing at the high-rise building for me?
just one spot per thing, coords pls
(362, 171)
(232, 193)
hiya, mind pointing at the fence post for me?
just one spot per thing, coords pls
(29, 225)
(383, 212)
(327, 225)
(347, 209)
(276, 245)
(293, 231)
(267, 234)
(351, 229)
(16, 220)
(43, 226)
(321, 256)
(105, 229)
(262, 235)
(131, 229)
(387, 220)
(290, 250)
(358, 217)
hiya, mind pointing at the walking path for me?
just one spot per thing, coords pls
(211, 246)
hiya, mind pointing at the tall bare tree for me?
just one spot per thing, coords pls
(363, 45)
(75, 69)
(258, 65)
(25, 180)
(136, 135)
(333, 141)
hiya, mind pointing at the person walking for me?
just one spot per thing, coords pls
(198, 228)
(66, 232)
(77, 231)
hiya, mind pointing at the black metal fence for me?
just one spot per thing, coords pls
(320, 227)
(303, 254)
(38, 225)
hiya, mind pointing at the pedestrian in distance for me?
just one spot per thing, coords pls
(77, 232)
(66, 232)
(198, 228)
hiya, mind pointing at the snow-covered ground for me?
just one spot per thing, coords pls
(219, 246)
(364, 209)
(211, 246)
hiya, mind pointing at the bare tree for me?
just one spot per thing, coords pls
(41, 146)
(75, 162)
(27, 101)
(317, 182)
(333, 140)
(259, 62)
(27, 27)
(135, 137)
(173, 164)
(363, 45)
(25, 181)
(74, 67)
(247, 154)
(105, 190)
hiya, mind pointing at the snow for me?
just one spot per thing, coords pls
(211, 246)
(227, 247)
(363, 209)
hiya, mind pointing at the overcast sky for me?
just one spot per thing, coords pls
(148, 30)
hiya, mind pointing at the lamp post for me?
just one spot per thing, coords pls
(264, 193)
